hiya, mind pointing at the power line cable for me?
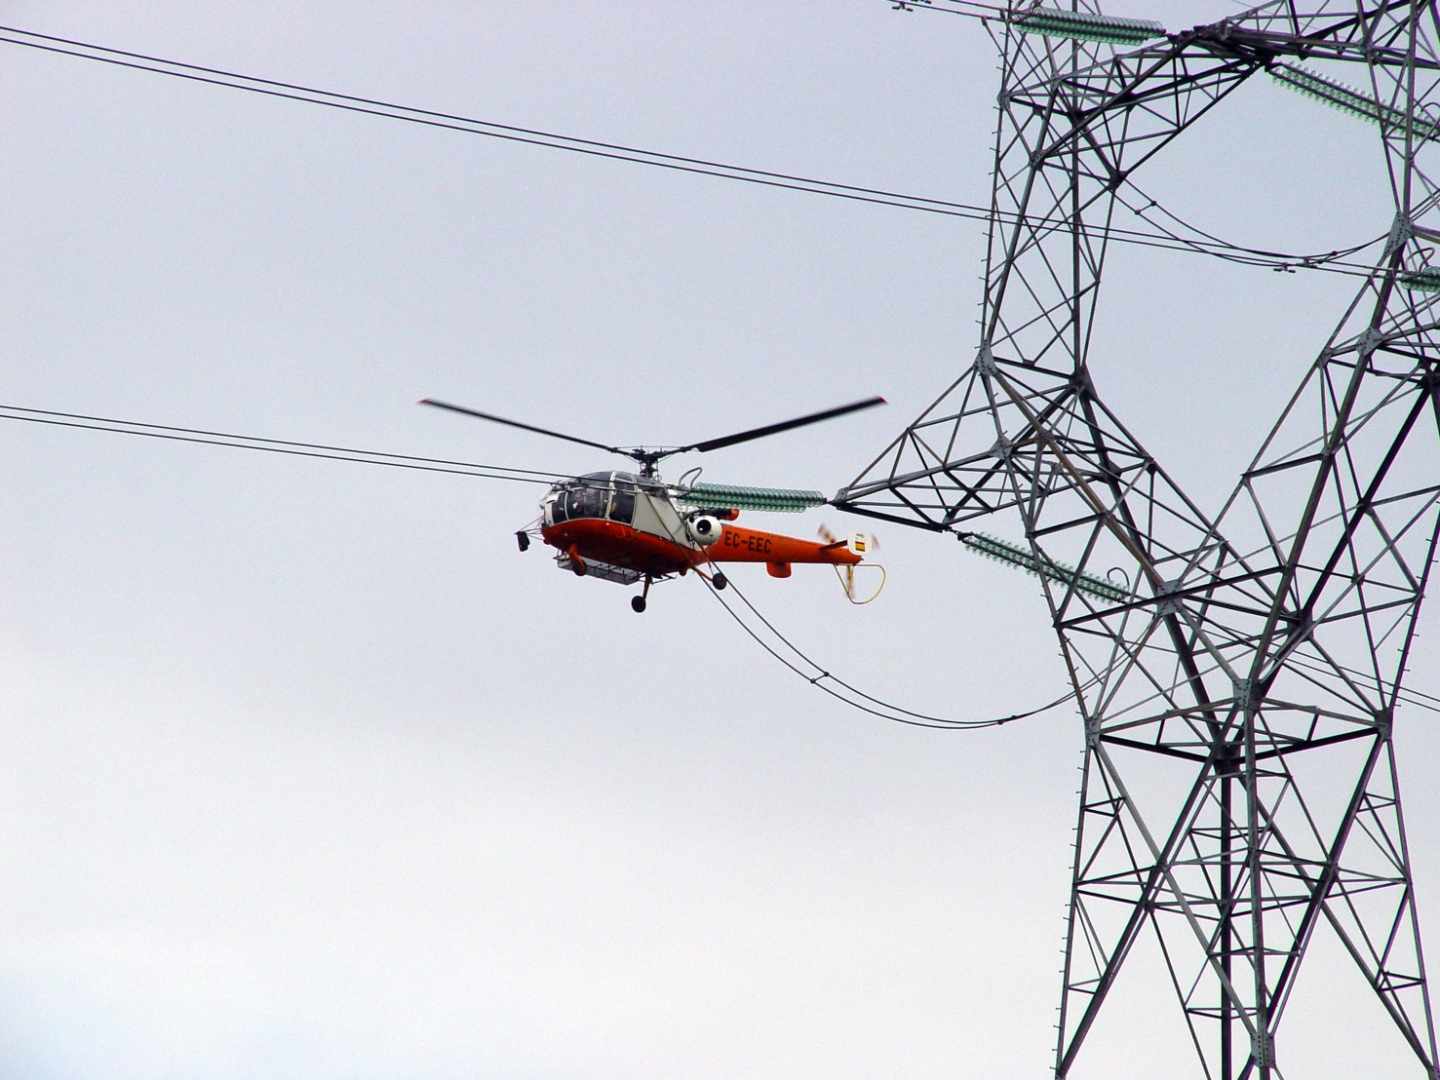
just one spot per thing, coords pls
(204, 437)
(438, 118)
(196, 436)
(280, 442)
(634, 155)
(891, 711)
(942, 726)
(1331, 670)
(1368, 683)
(968, 8)
(1239, 253)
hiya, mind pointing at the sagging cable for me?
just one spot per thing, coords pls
(876, 707)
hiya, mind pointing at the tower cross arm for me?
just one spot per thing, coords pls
(1368, 33)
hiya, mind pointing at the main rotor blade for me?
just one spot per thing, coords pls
(516, 423)
(784, 425)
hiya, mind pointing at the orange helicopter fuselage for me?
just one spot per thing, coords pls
(623, 545)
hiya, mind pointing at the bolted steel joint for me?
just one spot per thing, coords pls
(1262, 1048)
(1384, 722)
(1245, 694)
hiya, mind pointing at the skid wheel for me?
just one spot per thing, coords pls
(719, 581)
(522, 540)
(637, 604)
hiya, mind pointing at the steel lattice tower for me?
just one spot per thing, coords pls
(1256, 655)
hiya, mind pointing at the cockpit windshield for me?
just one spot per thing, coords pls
(590, 496)
(594, 495)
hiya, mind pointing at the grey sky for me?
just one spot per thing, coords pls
(309, 773)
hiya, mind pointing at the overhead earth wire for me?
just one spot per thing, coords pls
(1328, 262)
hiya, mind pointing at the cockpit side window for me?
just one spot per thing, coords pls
(560, 508)
(622, 506)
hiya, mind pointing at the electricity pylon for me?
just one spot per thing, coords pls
(1239, 690)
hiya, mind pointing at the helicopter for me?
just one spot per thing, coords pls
(633, 527)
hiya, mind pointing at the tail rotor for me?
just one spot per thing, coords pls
(863, 545)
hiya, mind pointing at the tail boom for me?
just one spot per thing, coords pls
(739, 544)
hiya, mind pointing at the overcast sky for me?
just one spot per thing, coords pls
(308, 773)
